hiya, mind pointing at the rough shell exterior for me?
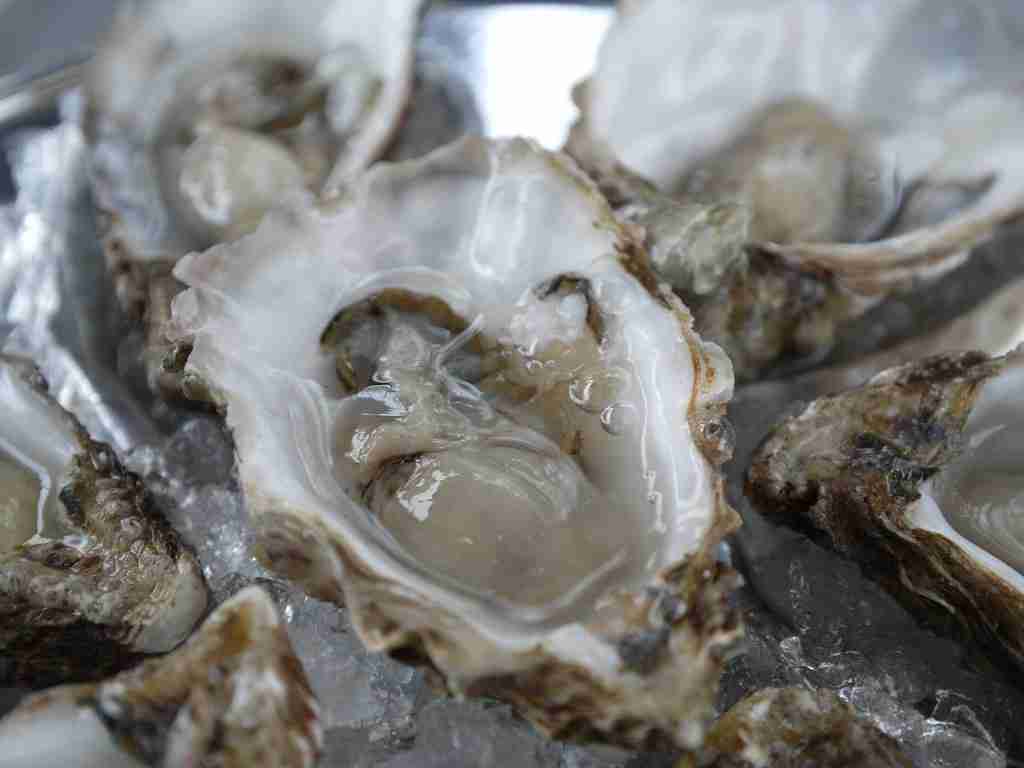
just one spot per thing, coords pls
(654, 655)
(850, 466)
(797, 728)
(80, 612)
(235, 695)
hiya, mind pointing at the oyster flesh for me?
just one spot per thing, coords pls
(91, 576)
(918, 475)
(778, 226)
(797, 728)
(486, 429)
(233, 696)
(202, 116)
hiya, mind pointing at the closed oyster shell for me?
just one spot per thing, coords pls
(845, 203)
(201, 117)
(463, 407)
(794, 728)
(91, 576)
(916, 474)
(233, 696)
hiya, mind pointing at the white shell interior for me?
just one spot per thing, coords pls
(36, 448)
(496, 522)
(977, 501)
(675, 80)
(58, 735)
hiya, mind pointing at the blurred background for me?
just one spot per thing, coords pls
(33, 32)
(43, 42)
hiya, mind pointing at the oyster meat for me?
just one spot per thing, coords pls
(486, 429)
(201, 117)
(91, 576)
(917, 474)
(778, 226)
(797, 728)
(233, 696)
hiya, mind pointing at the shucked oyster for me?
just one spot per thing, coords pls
(203, 115)
(918, 475)
(90, 575)
(461, 405)
(838, 203)
(797, 728)
(233, 696)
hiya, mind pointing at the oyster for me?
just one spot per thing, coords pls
(462, 406)
(917, 475)
(233, 696)
(91, 576)
(794, 728)
(201, 119)
(778, 227)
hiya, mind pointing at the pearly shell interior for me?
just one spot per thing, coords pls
(978, 499)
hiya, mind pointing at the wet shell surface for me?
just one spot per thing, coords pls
(233, 696)
(203, 116)
(797, 728)
(917, 474)
(91, 576)
(463, 407)
(838, 201)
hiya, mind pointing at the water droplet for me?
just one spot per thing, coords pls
(617, 418)
(580, 391)
(593, 391)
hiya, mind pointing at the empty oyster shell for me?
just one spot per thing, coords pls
(201, 117)
(797, 728)
(485, 428)
(841, 204)
(916, 474)
(233, 696)
(90, 575)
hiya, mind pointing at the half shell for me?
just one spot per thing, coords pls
(843, 199)
(91, 576)
(233, 696)
(917, 475)
(202, 116)
(462, 406)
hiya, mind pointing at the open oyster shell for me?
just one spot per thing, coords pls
(462, 406)
(797, 728)
(917, 475)
(202, 116)
(91, 576)
(233, 696)
(837, 201)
